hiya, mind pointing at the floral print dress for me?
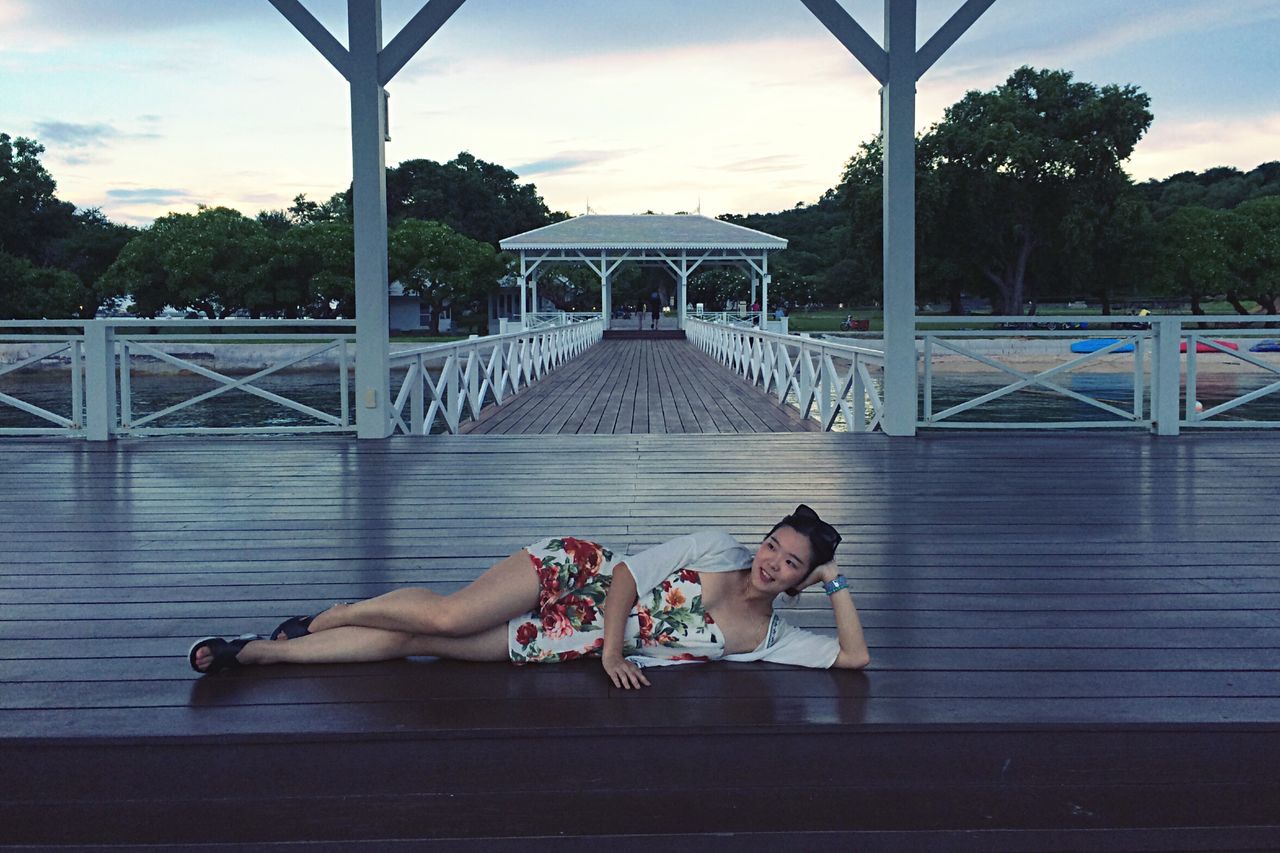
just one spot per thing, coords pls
(668, 621)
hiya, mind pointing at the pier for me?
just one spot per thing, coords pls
(1073, 643)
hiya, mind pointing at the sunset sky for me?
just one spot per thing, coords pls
(150, 106)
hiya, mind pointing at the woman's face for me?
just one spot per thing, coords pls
(782, 561)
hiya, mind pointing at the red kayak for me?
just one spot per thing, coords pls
(1201, 346)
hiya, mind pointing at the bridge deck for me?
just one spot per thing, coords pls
(1074, 637)
(641, 386)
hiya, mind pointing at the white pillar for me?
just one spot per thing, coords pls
(524, 282)
(606, 299)
(898, 123)
(765, 280)
(755, 283)
(369, 204)
(534, 306)
(100, 380)
(682, 297)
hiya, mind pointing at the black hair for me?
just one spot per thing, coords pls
(823, 538)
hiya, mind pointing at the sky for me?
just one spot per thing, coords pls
(724, 106)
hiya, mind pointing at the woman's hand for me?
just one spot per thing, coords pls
(824, 574)
(624, 673)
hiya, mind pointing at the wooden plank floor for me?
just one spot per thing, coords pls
(1075, 641)
(640, 386)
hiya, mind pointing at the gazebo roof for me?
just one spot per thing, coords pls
(645, 231)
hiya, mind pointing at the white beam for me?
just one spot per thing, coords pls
(850, 34)
(314, 31)
(898, 118)
(413, 36)
(947, 34)
(369, 209)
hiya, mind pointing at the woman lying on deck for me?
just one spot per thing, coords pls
(553, 601)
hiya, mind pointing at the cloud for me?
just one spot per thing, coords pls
(1178, 146)
(74, 135)
(566, 161)
(772, 163)
(149, 195)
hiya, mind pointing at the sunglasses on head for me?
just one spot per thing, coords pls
(821, 530)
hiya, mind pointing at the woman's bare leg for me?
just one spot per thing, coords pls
(362, 645)
(503, 592)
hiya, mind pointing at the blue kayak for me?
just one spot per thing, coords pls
(1265, 346)
(1095, 344)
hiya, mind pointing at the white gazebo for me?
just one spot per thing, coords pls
(680, 243)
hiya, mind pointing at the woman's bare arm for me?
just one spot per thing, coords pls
(853, 646)
(618, 602)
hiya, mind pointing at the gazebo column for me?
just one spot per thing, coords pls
(524, 301)
(755, 287)
(534, 306)
(764, 299)
(682, 295)
(606, 299)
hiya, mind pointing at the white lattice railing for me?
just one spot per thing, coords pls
(838, 384)
(1160, 353)
(548, 319)
(446, 382)
(40, 346)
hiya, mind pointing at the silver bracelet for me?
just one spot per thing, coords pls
(836, 584)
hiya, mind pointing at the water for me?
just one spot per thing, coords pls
(151, 393)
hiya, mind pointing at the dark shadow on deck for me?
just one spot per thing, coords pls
(1074, 643)
(640, 386)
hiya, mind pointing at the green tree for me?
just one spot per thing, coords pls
(313, 270)
(1193, 255)
(31, 215)
(29, 292)
(214, 261)
(1260, 267)
(480, 200)
(87, 252)
(1016, 162)
(442, 266)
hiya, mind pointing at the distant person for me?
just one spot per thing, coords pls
(755, 307)
(655, 310)
(779, 313)
(563, 598)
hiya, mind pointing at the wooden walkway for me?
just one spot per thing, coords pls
(1075, 641)
(641, 386)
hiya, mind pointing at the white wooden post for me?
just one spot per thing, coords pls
(606, 300)
(765, 281)
(682, 291)
(369, 203)
(1166, 374)
(898, 121)
(897, 66)
(368, 67)
(100, 380)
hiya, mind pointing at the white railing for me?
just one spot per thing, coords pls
(325, 351)
(744, 319)
(103, 364)
(46, 347)
(1159, 353)
(833, 383)
(445, 382)
(548, 319)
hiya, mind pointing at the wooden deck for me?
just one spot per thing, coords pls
(640, 386)
(1075, 642)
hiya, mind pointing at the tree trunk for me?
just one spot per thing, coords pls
(1234, 299)
(1196, 307)
(1106, 302)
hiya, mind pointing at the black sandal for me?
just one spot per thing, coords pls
(293, 627)
(226, 653)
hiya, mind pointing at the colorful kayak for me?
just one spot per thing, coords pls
(1201, 346)
(1095, 344)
